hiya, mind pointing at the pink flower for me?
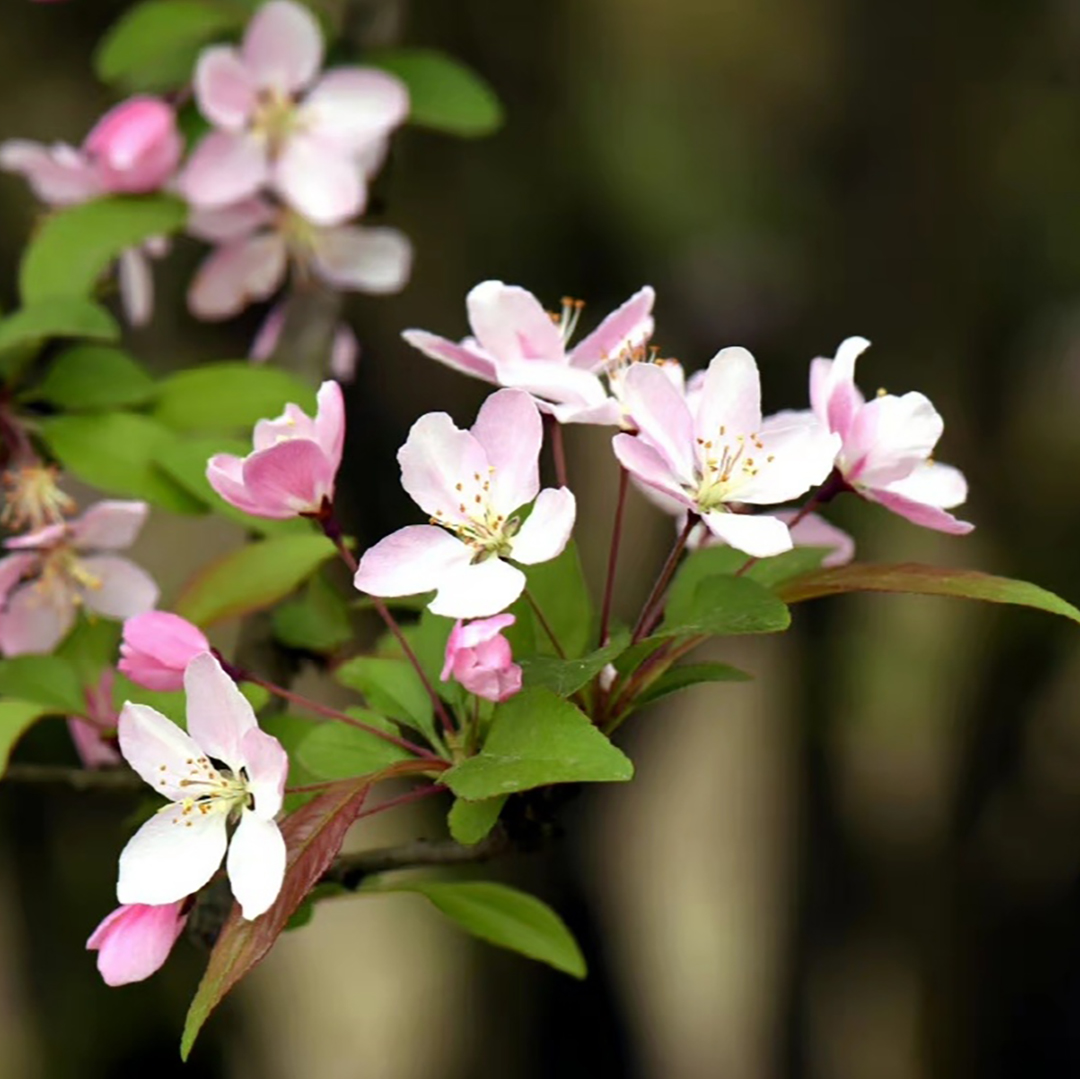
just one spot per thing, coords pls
(157, 647)
(256, 242)
(344, 349)
(887, 443)
(292, 467)
(62, 567)
(94, 732)
(472, 483)
(308, 141)
(702, 459)
(181, 847)
(479, 657)
(809, 531)
(516, 343)
(135, 940)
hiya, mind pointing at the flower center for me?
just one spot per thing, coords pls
(724, 467)
(490, 534)
(567, 319)
(32, 498)
(210, 790)
(64, 577)
(275, 119)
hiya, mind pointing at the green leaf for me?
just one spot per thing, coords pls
(721, 606)
(560, 591)
(251, 578)
(73, 248)
(504, 917)
(68, 316)
(171, 704)
(91, 647)
(392, 687)
(727, 562)
(470, 822)
(154, 45)
(428, 638)
(444, 94)
(537, 739)
(921, 580)
(334, 750)
(316, 621)
(313, 837)
(184, 461)
(228, 396)
(116, 451)
(566, 676)
(690, 674)
(45, 680)
(16, 718)
(89, 378)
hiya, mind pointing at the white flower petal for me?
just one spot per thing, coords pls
(256, 864)
(218, 714)
(165, 756)
(478, 590)
(547, 531)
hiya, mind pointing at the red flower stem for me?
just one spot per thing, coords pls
(402, 799)
(545, 624)
(333, 532)
(558, 449)
(646, 619)
(613, 557)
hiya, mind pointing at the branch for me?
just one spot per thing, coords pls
(79, 779)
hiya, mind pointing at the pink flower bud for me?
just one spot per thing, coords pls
(135, 147)
(157, 647)
(134, 941)
(479, 657)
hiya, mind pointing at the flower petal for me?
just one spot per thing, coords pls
(288, 479)
(224, 168)
(319, 181)
(889, 437)
(814, 531)
(134, 941)
(59, 175)
(761, 537)
(730, 396)
(109, 525)
(466, 358)
(477, 590)
(510, 432)
(412, 560)
(33, 623)
(173, 854)
(236, 275)
(122, 589)
(547, 530)
(283, 46)
(510, 323)
(256, 864)
(225, 473)
(795, 452)
(365, 260)
(164, 755)
(833, 393)
(13, 568)
(647, 465)
(919, 512)
(267, 767)
(629, 325)
(218, 714)
(136, 286)
(329, 421)
(556, 382)
(655, 406)
(354, 107)
(933, 484)
(223, 224)
(224, 88)
(443, 468)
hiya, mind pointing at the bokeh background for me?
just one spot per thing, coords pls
(864, 864)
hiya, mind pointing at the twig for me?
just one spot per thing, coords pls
(79, 779)
(656, 596)
(613, 557)
(545, 624)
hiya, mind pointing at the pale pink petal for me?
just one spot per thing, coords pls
(510, 323)
(626, 326)
(440, 464)
(224, 168)
(172, 855)
(795, 453)
(354, 107)
(658, 410)
(267, 767)
(761, 537)
(224, 88)
(510, 432)
(162, 754)
(136, 286)
(344, 354)
(330, 421)
(412, 560)
(13, 568)
(225, 473)
(374, 260)
(268, 335)
(319, 181)
(109, 525)
(283, 46)
(218, 714)
(919, 512)
(889, 437)
(843, 398)
(223, 224)
(293, 422)
(93, 748)
(933, 483)
(477, 590)
(256, 864)
(547, 530)
(607, 413)
(730, 397)
(59, 175)
(290, 478)
(135, 940)
(156, 648)
(33, 623)
(237, 275)
(646, 464)
(815, 531)
(121, 589)
(135, 147)
(469, 360)
(473, 634)
(554, 381)
(41, 539)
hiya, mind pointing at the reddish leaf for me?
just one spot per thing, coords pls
(313, 837)
(924, 581)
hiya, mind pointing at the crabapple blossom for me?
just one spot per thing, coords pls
(479, 657)
(256, 242)
(344, 349)
(94, 732)
(291, 470)
(516, 343)
(134, 941)
(277, 124)
(472, 485)
(807, 530)
(157, 647)
(887, 443)
(704, 459)
(55, 570)
(223, 768)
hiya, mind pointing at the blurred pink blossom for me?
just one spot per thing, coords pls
(344, 349)
(135, 940)
(94, 732)
(479, 657)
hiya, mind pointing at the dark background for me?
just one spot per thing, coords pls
(864, 864)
